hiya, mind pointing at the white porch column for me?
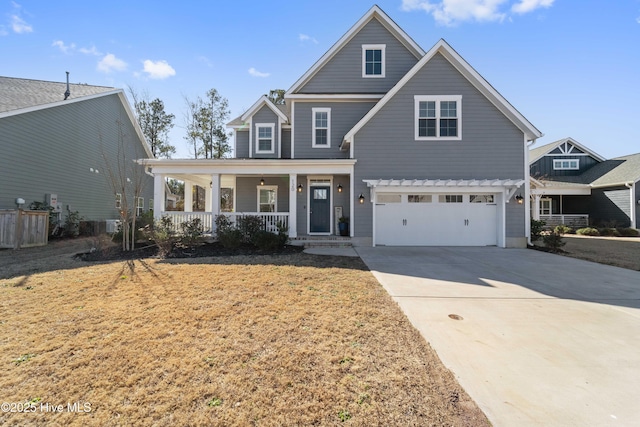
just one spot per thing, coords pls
(158, 196)
(293, 205)
(214, 194)
(207, 200)
(188, 196)
(536, 207)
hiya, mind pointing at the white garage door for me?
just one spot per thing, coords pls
(436, 219)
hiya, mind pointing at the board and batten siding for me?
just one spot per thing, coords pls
(611, 206)
(53, 151)
(286, 143)
(343, 73)
(492, 147)
(264, 116)
(543, 167)
(344, 115)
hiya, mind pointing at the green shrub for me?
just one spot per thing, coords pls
(230, 239)
(249, 226)
(162, 234)
(192, 232)
(588, 231)
(223, 225)
(628, 232)
(611, 232)
(536, 229)
(563, 229)
(72, 224)
(553, 241)
(267, 241)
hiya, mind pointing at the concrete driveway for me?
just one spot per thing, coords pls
(543, 340)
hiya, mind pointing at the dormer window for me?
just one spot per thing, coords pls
(264, 138)
(566, 164)
(373, 60)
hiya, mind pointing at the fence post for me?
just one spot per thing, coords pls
(18, 230)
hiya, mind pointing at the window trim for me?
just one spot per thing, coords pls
(139, 205)
(275, 202)
(313, 127)
(417, 99)
(382, 48)
(557, 165)
(272, 126)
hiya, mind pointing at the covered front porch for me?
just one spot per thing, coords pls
(559, 203)
(303, 197)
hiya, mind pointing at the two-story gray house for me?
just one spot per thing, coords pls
(57, 141)
(573, 185)
(414, 147)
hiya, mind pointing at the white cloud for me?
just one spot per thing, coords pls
(526, 6)
(158, 69)
(90, 51)
(452, 12)
(18, 25)
(64, 48)
(304, 38)
(256, 73)
(110, 63)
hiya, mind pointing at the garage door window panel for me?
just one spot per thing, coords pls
(389, 198)
(450, 198)
(419, 198)
(481, 198)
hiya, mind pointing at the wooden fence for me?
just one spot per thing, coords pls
(23, 229)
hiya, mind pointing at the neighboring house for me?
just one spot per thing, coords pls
(573, 185)
(55, 147)
(414, 147)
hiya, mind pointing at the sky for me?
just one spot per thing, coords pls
(572, 68)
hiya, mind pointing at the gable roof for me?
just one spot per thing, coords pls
(18, 94)
(537, 153)
(278, 110)
(374, 13)
(442, 47)
(618, 171)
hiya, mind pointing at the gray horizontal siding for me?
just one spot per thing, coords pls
(343, 72)
(247, 193)
(611, 206)
(491, 145)
(344, 115)
(543, 167)
(267, 116)
(52, 151)
(242, 144)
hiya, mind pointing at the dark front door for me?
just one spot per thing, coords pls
(320, 210)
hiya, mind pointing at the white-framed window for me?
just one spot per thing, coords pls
(546, 207)
(118, 201)
(438, 117)
(321, 137)
(151, 204)
(450, 198)
(566, 164)
(139, 205)
(267, 198)
(264, 138)
(419, 198)
(373, 60)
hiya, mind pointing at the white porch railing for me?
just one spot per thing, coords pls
(574, 221)
(271, 220)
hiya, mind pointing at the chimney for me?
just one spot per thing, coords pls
(68, 92)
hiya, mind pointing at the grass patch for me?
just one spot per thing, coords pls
(262, 340)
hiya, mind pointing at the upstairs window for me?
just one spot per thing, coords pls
(321, 137)
(566, 164)
(438, 117)
(373, 60)
(139, 206)
(264, 138)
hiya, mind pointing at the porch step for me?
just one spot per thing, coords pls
(322, 241)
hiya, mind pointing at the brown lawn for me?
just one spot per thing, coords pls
(620, 252)
(286, 340)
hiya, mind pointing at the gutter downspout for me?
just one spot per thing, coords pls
(632, 205)
(527, 190)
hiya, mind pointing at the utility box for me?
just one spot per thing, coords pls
(51, 200)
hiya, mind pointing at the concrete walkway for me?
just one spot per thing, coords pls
(541, 340)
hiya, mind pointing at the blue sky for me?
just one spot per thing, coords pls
(571, 67)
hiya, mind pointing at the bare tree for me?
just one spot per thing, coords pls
(126, 178)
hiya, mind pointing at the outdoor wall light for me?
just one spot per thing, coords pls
(361, 198)
(261, 181)
(519, 199)
(300, 188)
(339, 188)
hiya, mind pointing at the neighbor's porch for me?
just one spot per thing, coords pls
(556, 204)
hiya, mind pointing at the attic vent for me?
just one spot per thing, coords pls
(67, 92)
